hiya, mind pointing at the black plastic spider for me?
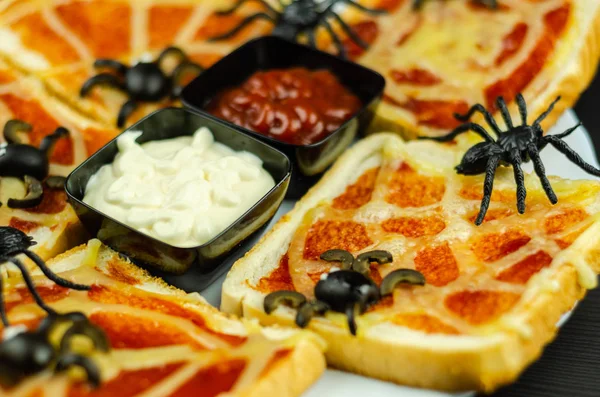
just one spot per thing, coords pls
(348, 291)
(28, 353)
(493, 4)
(144, 81)
(27, 162)
(302, 17)
(518, 144)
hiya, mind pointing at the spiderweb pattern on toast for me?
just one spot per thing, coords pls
(453, 54)
(424, 216)
(164, 342)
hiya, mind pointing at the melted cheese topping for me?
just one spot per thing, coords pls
(451, 55)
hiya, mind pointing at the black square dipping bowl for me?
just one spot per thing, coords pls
(269, 52)
(145, 250)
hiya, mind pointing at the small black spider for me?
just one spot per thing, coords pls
(27, 162)
(493, 4)
(347, 291)
(144, 81)
(518, 144)
(28, 353)
(302, 17)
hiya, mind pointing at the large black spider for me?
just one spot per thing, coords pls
(144, 81)
(347, 291)
(302, 17)
(28, 353)
(514, 146)
(493, 4)
(27, 162)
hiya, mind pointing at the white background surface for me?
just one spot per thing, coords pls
(336, 383)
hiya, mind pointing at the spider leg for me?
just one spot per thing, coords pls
(540, 171)
(571, 155)
(547, 112)
(100, 79)
(30, 286)
(488, 117)
(515, 160)
(569, 131)
(336, 40)
(501, 104)
(49, 141)
(112, 64)
(348, 30)
(126, 110)
(179, 72)
(53, 276)
(3, 316)
(488, 187)
(242, 25)
(350, 313)
(241, 3)
(366, 10)
(522, 108)
(479, 130)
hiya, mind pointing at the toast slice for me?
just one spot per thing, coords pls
(164, 342)
(450, 55)
(494, 292)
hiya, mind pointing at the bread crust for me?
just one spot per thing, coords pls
(291, 377)
(573, 66)
(451, 363)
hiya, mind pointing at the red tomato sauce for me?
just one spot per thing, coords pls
(296, 105)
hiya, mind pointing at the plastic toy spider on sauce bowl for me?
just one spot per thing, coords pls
(302, 17)
(144, 81)
(514, 146)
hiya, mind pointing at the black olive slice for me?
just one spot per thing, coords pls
(342, 256)
(291, 298)
(75, 360)
(12, 128)
(84, 328)
(308, 310)
(52, 320)
(363, 261)
(401, 276)
(56, 182)
(34, 196)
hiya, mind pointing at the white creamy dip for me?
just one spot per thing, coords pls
(183, 191)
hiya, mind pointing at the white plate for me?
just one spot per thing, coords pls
(337, 383)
